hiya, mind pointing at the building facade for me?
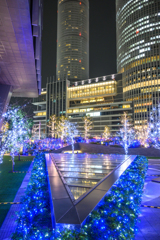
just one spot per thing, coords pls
(56, 97)
(73, 40)
(20, 49)
(101, 99)
(40, 116)
(138, 55)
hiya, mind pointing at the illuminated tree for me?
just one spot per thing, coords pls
(19, 130)
(35, 128)
(3, 139)
(88, 125)
(126, 132)
(62, 127)
(5, 126)
(52, 125)
(143, 135)
(72, 132)
(106, 133)
(155, 126)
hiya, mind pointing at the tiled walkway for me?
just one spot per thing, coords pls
(149, 226)
(9, 224)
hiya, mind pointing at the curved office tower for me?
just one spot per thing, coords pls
(73, 39)
(138, 51)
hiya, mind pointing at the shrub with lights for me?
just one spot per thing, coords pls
(116, 215)
(34, 219)
(114, 218)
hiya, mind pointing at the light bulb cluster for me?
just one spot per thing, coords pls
(115, 217)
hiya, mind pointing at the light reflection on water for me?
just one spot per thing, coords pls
(83, 171)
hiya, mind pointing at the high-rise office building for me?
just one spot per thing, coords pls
(73, 40)
(72, 51)
(138, 51)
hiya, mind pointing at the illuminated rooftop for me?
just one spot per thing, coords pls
(107, 79)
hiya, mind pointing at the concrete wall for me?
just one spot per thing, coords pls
(93, 148)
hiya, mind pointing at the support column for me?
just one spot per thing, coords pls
(5, 96)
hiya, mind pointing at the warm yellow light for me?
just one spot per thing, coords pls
(127, 106)
(92, 85)
(143, 104)
(140, 110)
(43, 92)
(75, 151)
(40, 114)
(141, 85)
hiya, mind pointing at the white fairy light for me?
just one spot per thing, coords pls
(155, 126)
(13, 136)
(88, 124)
(126, 132)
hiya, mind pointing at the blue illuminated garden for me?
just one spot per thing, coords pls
(119, 178)
(115, 217)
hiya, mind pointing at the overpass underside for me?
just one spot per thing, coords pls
(20, 49)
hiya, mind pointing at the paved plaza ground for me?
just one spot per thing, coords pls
(149, 226)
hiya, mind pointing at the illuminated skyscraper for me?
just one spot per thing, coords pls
(138, 51)
(73, 39)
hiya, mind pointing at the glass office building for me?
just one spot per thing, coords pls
(39, 118)
(138, 39)
(100, 98)
(73, 40)
(56, 97)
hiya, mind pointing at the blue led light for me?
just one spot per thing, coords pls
(114, 218)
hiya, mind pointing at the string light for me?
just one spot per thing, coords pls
(72, 132)
(115, 217)
(106, 133)
(13, 136)
(126, 132)
(88, 124)
(155, 126)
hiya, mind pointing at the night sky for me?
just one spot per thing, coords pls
(102, 46)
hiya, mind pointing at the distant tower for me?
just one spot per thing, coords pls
(73, 40)
(138, 54)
